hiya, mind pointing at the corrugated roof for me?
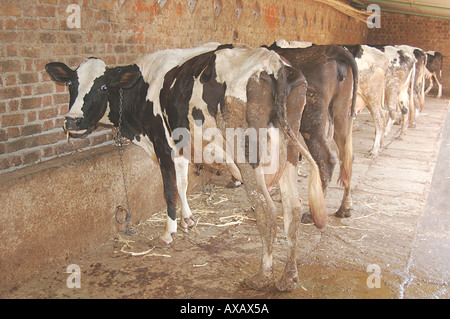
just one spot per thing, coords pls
(427, 8)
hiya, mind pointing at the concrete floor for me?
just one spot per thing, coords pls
(395, 245)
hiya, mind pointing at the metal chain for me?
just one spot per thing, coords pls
(118, 142)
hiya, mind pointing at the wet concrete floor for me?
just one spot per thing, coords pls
(395, 245)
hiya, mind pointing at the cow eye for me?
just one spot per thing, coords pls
(104, 87)
(69, 83)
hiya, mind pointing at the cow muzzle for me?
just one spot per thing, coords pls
(74, 126)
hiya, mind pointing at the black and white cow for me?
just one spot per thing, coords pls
(418, 80)
(332, 76)
(399, 91)
(386, 87)
(434, 71)
(215, 88)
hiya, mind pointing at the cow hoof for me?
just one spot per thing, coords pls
(232, 184)
(288, 282)
(187, 223)
(258, 282)
(343, 213)
(307, 219)
(166, 238)
(373, 154)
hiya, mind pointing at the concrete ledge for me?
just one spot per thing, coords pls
(54, 211)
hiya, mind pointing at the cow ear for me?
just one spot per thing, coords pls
(125, 77)
(60, 72)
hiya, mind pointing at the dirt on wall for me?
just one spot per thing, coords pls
(34, 33)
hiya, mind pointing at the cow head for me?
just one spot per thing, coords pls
(90, 86)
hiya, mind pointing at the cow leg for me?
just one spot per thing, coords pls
(438, 82)
(404, 128)
(430, 86)
(312, 128)
(343, 139)
(266, 226)
(291, 218)
(313, 132)
(422, 95)
(375, 109)
(321, 152)
(170, 195)
(182, 169)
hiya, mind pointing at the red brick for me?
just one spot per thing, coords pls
(26, 78)
(48, 113)
(13, 120)
(51, 138)
(31, 157)
(9, 9)
(16, 145)
(45, 11)
(31, 129)
(13, 132)
(3, 135)
(31, 103)
(4, 164)
(10, 66)
(60, 98)
(47, 37)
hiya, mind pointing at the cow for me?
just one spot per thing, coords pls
(397, 95)
(372, 67)
(332, 76)
(434, 71)
(399, 89)
(418, 81)
(215, 88)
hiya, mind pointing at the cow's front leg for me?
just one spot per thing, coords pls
(182, 170)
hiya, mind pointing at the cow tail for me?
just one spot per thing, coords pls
(316, 197)
(350, 60)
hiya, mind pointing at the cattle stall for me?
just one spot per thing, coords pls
(75, 200)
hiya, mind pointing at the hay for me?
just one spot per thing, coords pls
(144, 253)
(203, 265)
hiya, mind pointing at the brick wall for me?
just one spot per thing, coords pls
(423, 32)
(35, 32)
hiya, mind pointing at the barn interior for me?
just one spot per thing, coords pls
(59, 195)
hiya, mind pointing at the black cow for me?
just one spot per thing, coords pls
(168, 95)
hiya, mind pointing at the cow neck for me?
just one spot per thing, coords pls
(132, 100)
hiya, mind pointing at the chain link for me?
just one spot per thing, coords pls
(118, 142)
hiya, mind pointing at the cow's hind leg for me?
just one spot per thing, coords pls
(379, 122)
(439, 95)
(343, 138)
(291, 218)
(170, 195)
(313, 131)
(266, 226)
(182, 169)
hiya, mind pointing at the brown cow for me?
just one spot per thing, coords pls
(332, 76)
